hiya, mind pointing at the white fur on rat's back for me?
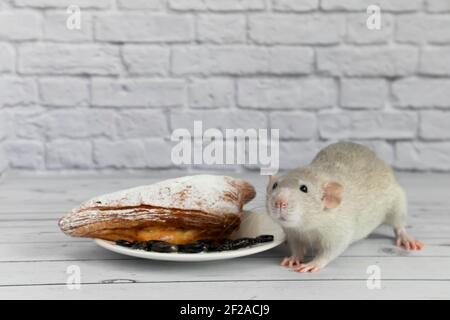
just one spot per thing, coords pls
(371, 196)
(371, 191)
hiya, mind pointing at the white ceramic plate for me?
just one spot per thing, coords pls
(253, 224)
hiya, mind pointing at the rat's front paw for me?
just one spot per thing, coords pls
(291, 262)
(312, 266)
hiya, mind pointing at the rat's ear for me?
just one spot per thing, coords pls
(332, 194)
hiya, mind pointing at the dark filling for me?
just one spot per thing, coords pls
(197, 246)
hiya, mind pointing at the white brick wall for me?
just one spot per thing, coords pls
(108, 96)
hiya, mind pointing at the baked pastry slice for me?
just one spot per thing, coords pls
(178, 211)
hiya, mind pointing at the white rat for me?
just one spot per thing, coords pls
(341, 197)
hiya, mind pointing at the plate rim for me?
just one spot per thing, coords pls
(191, 257)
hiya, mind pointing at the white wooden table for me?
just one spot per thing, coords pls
(35, 255)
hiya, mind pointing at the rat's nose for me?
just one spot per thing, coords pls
(281, 203)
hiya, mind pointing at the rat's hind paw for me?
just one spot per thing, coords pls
(291, 262)
(404, 240)
(409, 243)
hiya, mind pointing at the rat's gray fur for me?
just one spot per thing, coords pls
(371, 196)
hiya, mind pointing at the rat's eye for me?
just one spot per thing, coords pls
(304, 188)
(275, 185)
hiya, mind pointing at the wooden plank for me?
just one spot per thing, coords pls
(435, 218)
(256, 269)
(48, 231)
(88, 250)
(31, 234)
(34, 254)
(422, 212)
(61, 194)
(30, 216)
(248, 290)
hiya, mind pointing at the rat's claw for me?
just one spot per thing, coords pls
(308, 267)
(285, 262)
(290, 262)
(417, 245)
(407, 245)
(420, 244)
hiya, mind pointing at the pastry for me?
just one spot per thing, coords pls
(178, 211)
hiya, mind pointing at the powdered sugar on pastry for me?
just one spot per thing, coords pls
(207, 193)
(201, 205)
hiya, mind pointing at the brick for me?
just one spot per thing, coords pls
(64, 92)
(368, 125)
(25, 154)
(75, 124)
(437, 5)
(69, 59)
(357, 31)
(17, 91)
(141, 4)
(237, 60)
(69, 154)
(7, 58)
(426, 93)
(141, 123)
(97, 4)
(219, 119)
(287, 93)
(214, 5)
(290, 60)
(137, 93)
(368, 61)
(142, 59)
(294, 125)
(4, 131)
(138, 27)
(434, 125)
(364, 93)
(211, 93)
(423, 28)
(5, 125)
(161, 148)
(385, 5)
(55, 27)
(285, 29)
(25, 122)
(3, 160)
(120, 154)
(19, 26)
(295, 5)
(132, 153)
(422, 156)
(221, 28)
(435, 61)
